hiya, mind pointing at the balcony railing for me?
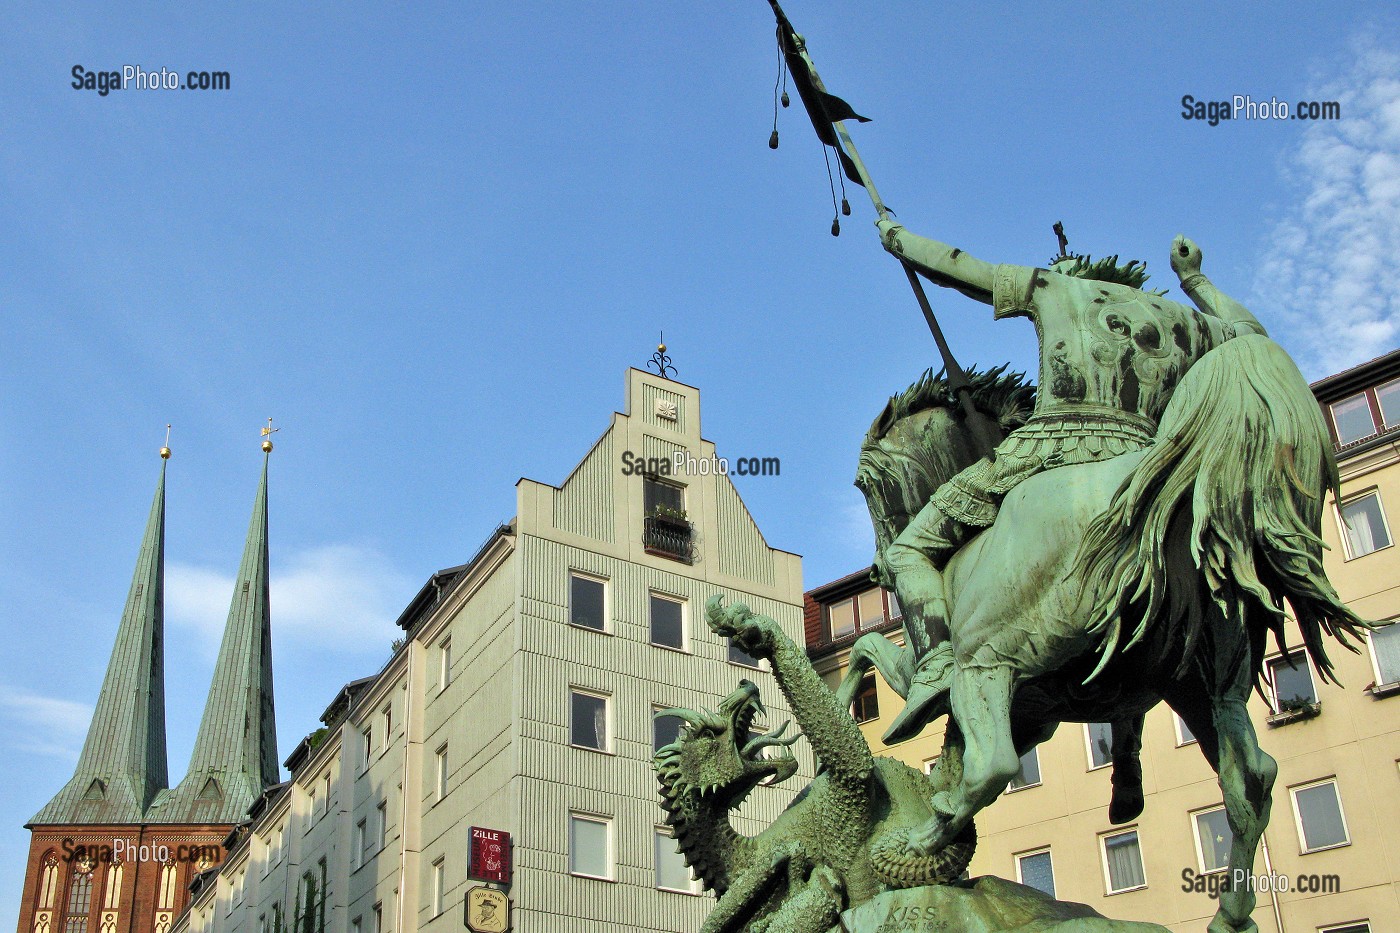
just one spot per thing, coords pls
(667, 537)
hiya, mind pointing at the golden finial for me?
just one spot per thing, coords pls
(165, 451)
(660, 360)
(267, 433)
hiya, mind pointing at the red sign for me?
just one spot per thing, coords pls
(489, 855)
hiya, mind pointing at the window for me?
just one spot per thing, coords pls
(1122, 858)
(590, 846)
(1318, 810)
(895, 611)
(262, 923)
(1100, 738)
(79, 902)
(1388, 396)
(1385, 652)
(1363, 525)
(666, 530)
(439, 884)
(1362, 927)
(311, 806)
(929, 763)
(863, 612)
(738, 655)
(1213, 839)
(367, 745)
(667, 622)
(664, 731)
(383, 823)
(1184, 735)
(356, 925)
(387, 715)
(441, 774)
(841, 619)
(588, 720)
(1028, 776)
(444, 663)
(277, 837)
(326, 792)
(1352, 416)
(672, 874)
(866, 705)
(361, 845)
(1035, 870)
(870, 610)
(665, 498)
(378, 918)
(1291, 683)
(587, 602)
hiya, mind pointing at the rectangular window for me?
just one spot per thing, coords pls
(1318, 810)
(441, 785)
(439, 886)
(1363, 522)
(383, 823)
(361, 844)
(867, 705)
(444, 663)
(1362, 927)
(672, 874)
(929, 763)
(326, 792)
(1213, 839)
(1352, 416)
(311, 806)
(870, 608)
(1385, 651)
(895, 611)
(588, 720)
(378, 918)
(667, 621)
(1035, 870)
(738, 655)
(1099, 735)
(1184, 735)
(1028, 776)
(590, 846)
(587, 602)
(387, 716)
(1291, 683)
(664, 731)
(665, 499)
(841, 619)
(1122, 859)
(367, 746)
(277, 838)
(262, 923)
(357, 925)
(1388, 396)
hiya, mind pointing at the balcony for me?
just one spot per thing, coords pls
(668, 534)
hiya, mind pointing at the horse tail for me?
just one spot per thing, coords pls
(1242, 454)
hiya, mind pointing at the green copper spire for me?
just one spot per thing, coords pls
(235, 753)
(122, 766)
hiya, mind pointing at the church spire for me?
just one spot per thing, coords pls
(122, 766)
(235, 752)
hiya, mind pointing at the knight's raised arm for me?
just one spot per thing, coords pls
(1186, 263)
(940, 263)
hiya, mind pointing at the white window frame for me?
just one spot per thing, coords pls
(684, 603)
(1349, 927)
(1392, 624)
(860, 691)
(691, 887)
(1040, 777)
(439, 886)
(1366, 402)
(386, 716)
(1298, 815)
(1194, 816)
(1089, 748)
(378, 917)
(361, 847)
(1180, 724)
(356, 925)
(1108, 888)
(1030, 853)
(656, 708)
(607, 601)
(1282, 659)
(444, 663)
(326, 789)
(608, 844)
(440, 784)
(1342, 525)
(930, 762)
(383, 808)
(607, 748)
(367, 746)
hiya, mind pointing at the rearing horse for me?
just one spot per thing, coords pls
(1105, 588)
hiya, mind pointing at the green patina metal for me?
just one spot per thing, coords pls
(123, 766)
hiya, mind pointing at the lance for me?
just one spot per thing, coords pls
(829, 114)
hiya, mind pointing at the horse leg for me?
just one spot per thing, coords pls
(1247, 775)
(894, 663)
(1127, 801)
(981, 700)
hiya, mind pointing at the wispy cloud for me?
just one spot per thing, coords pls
(43, 725)
(1329, 268)
(336, 593)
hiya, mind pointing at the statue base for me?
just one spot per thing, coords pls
(982, 905)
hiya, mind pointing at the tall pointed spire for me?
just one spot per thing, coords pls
(122, 766)
(235, 752)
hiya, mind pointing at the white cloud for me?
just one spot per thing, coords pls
(42, 725)
(337, 594)
(1328, 268)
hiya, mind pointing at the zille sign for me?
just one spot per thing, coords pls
(488, 910)
(489, 855)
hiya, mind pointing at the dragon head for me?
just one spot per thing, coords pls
(718, 758)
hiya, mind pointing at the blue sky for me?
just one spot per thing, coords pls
(429, 240)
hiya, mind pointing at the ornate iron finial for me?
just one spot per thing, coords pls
(660, 360)
(1059, 229)
(165, 448)
(267, 433)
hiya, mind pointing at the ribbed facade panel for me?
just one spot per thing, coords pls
(743, 554)
(585, 505)
(651, 395)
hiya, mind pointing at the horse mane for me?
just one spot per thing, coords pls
(897, 478)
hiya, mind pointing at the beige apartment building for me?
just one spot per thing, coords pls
(1336, 808)
(518, 709)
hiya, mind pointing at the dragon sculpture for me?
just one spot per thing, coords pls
(824, 854)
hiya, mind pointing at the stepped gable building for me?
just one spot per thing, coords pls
(85, 872)
(502, 758)
(1337, 798)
